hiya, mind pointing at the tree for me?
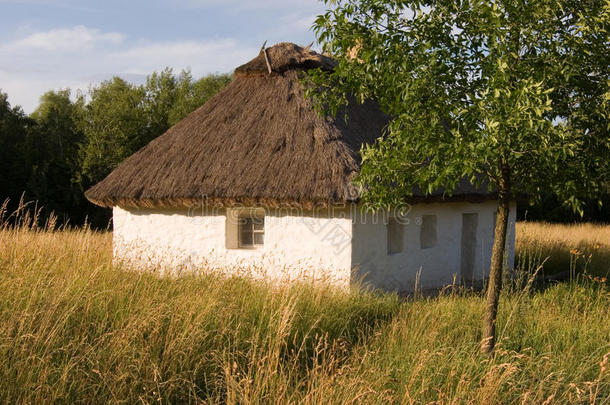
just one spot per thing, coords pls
(114, 125)
(52, 155)
(161, 93)
(121, 118)
(510, 93)
(14, 128)
(66, 146)
(193, 94)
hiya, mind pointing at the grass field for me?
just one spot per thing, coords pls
(74, 329)
(582, 248)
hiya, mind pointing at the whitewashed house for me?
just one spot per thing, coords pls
(256, 182)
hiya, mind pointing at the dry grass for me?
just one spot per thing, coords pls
(75, 329)
(578, 247)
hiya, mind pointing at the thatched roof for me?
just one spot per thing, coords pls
(258, 141)
(285, 56)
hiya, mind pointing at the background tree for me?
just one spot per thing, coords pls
(14, 127)
(67, 145)
(511, 94)
(160, 93)
(193, 94)
(120, 117)
(52, 155)
(114, 126)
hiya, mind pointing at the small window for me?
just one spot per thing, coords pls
(395, 236)
(427, 232)
(251, 231)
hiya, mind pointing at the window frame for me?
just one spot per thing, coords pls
(248, 219)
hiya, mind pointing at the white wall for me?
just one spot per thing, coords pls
(437, 265)
(341, 247)
(296, 246)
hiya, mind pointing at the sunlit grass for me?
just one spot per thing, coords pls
(578, 247)
(73, 328)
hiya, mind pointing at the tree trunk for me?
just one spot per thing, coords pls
(495, 269)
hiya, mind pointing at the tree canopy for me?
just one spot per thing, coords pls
(511, 95)
(69, 143)
(475, 86)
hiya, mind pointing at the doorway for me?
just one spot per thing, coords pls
(470, 223)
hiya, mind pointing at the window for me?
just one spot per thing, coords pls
(427, 232)
(251, 231)
(395, 236)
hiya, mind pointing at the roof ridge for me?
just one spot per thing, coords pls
(285, 56)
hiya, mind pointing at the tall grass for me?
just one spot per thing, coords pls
(73, 328)
(583, 248)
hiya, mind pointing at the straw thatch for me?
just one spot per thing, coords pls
(258, 141)
(285, 56)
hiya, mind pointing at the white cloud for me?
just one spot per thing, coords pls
(26, 91)
(67, 39)
(78, 56)
(202, 56)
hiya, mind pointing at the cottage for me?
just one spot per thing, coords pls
(256, 181)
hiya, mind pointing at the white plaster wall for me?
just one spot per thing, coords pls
(436, 266)
(341, 247)
(296, 246)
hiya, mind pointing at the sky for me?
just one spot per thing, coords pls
(56, 44)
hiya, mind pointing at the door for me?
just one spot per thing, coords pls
(469, 247)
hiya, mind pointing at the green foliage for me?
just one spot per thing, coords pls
(114, 126)
(121, 118)
(14, 129)
(193, 94)
(477, 90)
(39, 156)
(66, 146)
(159, 99)
(52, 152)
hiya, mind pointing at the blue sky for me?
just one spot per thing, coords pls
(54, 44)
